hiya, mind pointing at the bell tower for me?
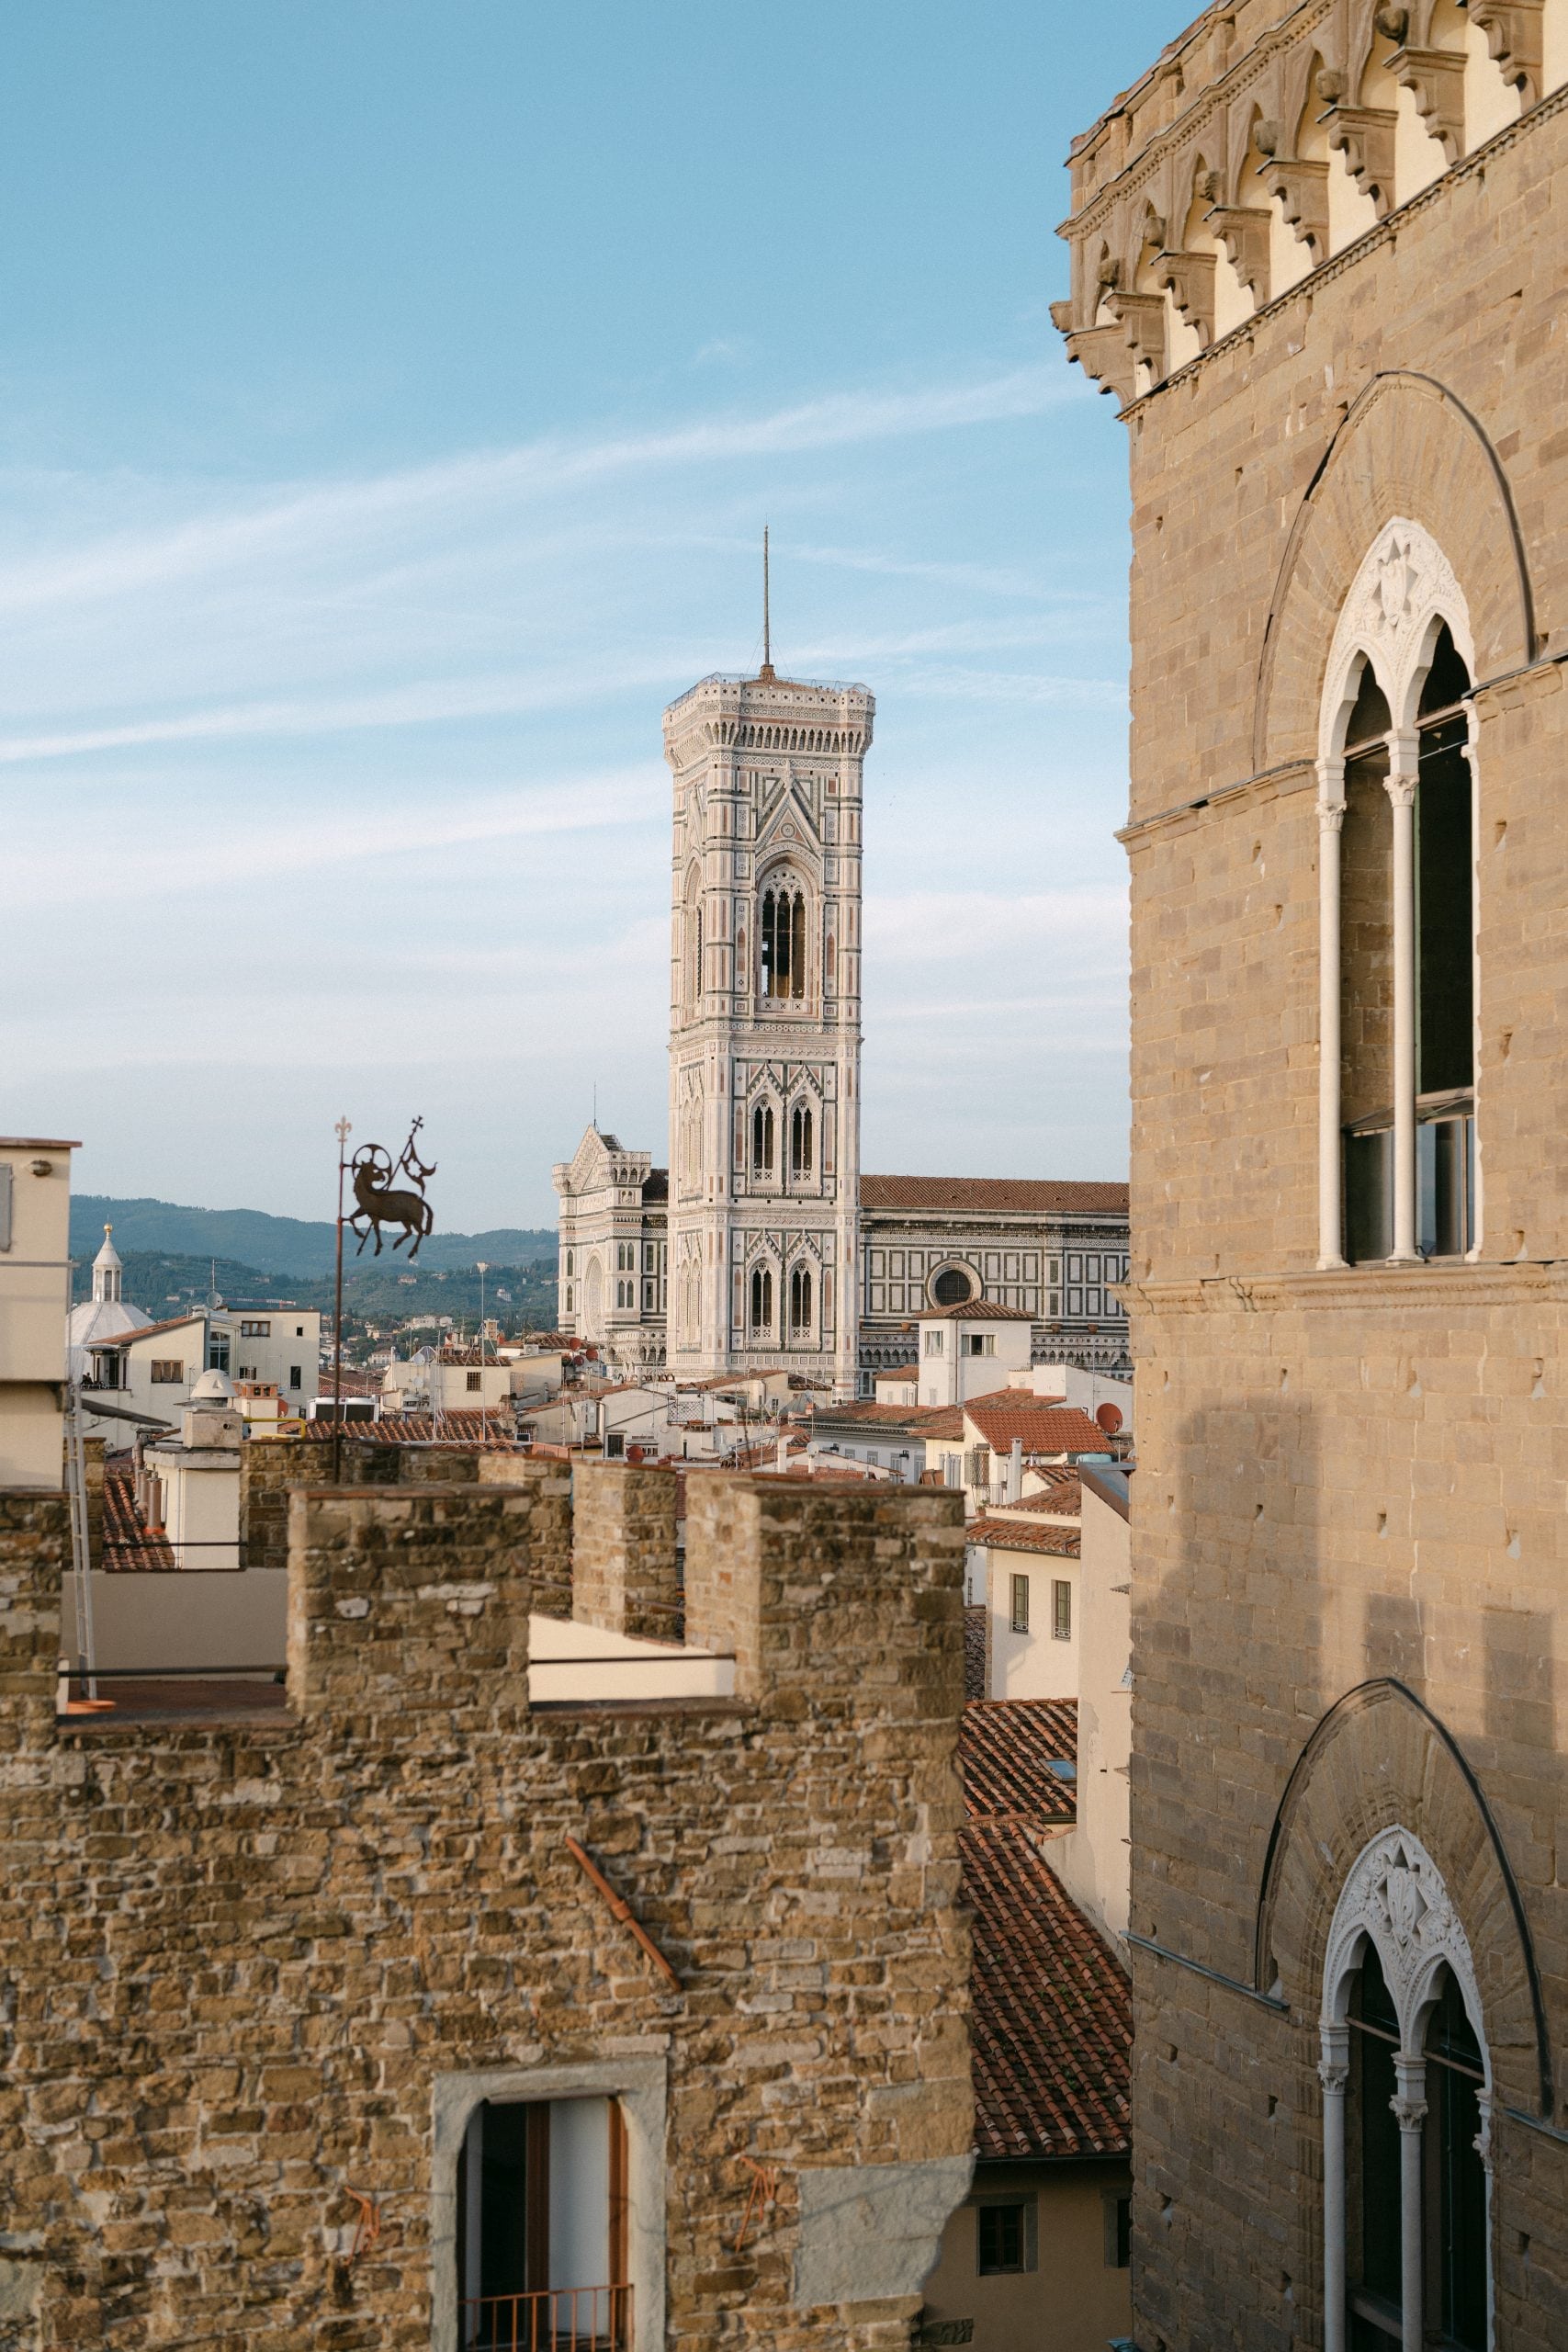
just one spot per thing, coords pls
(764, 1026)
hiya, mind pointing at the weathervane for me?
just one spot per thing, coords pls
(381, 1202)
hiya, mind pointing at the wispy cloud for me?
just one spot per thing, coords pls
(231, 853)
(330, 510)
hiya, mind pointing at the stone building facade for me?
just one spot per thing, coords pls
(1317, 253)
(287, 1990)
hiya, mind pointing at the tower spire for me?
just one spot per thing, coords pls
(767, 668)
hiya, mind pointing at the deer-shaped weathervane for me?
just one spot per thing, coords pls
(380, 1201)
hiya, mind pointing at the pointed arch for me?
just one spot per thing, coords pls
(1405, 1770)
(1407, 448)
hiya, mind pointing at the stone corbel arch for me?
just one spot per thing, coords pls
(1407, 450)
(1381, 1762)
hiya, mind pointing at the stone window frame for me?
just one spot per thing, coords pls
(1394, 1898)
(1403, 593)
(640, 2086)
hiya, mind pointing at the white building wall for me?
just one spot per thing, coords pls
(35, 1298)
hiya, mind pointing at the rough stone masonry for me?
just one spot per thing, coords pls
(248, 1967)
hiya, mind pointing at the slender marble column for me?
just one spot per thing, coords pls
(1333, 2071)
(1472, 759)
(1330, 1149)
(1409, 2105)
(1401, 789)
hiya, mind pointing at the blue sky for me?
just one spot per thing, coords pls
(391, 399)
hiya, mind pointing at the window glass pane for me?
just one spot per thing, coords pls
(1369, 1196)
(1000, 2234)
(1366, 914)
(1445, 1053)
(1020, 1604)
(1376, 2136)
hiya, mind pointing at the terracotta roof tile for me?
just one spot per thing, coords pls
(992, 1194)
(129, 1543)
(976, 1310)
(1005, 1751)
(1063, 1498)
(1024, 1535)
(1042, 1427)
(1051, 2026)
(148, 1332)
(417, 1428)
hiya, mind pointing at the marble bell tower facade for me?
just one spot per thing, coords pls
(765, 1026)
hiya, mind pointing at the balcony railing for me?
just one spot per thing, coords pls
(558, 2319)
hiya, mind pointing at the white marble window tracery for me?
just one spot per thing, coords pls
(1406, 2209)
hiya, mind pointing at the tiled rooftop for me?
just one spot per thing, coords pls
(1042, 1428)
(1005, 1751)
(1052, 2022)
(995, 1195)
(128, 1542)
(1016, 1534)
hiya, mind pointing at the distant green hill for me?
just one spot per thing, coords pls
(288, 1245)
(381, 1291)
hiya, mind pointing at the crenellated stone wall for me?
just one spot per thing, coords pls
(624, 1566)
(249, 1966)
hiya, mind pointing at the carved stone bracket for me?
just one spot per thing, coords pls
(1513, 38)
(1365, 136)
(1191, 277)
(1142, 317)
(1102, 354)
(1242, 231)
(1435, 77)
(1303, 190)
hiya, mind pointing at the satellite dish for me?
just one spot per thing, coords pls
(1110, 1417)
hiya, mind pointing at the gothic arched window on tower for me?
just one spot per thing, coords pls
(784, 942)
(761, 1299)
(762, 1139)
(693, 940)
(1441, 913)
(800, 1140)
(800, 1301)
(830, 963)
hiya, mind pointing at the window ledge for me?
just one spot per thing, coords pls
(1479, 1282)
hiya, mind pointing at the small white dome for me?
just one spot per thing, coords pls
(212, 1388)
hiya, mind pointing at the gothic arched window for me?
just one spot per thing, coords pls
(800, 1140)
(762, 1139)
(782, 935)
(693, 939)
(1408, 2106)
(761, 1299)
(1396, 813)
(800, 1301)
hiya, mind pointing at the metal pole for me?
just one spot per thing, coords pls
(484, 1413)
(343, 1130)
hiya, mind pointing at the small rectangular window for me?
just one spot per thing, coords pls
(1005, 2236)
(168, 1370)
(933, 1344)
(255, 1330)
(1061, 1609)
(294, 1375)
(1118, 2233)
(1020, 1604)
(474, 1382)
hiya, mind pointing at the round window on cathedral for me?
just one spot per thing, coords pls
(952, 1286)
